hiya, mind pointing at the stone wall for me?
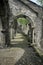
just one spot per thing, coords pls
(19, 8)
(2, 38)
(38, 30)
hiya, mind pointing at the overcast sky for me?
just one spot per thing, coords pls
(35, 1)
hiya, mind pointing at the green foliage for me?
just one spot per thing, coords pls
(22, 20)
(40, 1)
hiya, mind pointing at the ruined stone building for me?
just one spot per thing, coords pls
(33, 12)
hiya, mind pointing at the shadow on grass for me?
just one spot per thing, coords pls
(20, 44)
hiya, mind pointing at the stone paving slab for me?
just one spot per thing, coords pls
(10, 56)
(6, 61)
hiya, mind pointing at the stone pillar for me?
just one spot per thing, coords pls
(33, 37)
(4, 15)
(2, 39)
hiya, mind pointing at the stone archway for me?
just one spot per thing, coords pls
(32, 26)
(30, 22)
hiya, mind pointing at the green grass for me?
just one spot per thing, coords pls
(22, 20)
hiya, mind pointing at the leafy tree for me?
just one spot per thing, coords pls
(41, 2)
(22, 20)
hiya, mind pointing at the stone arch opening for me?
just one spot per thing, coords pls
(30, 26)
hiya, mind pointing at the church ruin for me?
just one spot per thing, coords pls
(32, 11)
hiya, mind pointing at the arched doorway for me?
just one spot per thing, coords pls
(24, 25)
